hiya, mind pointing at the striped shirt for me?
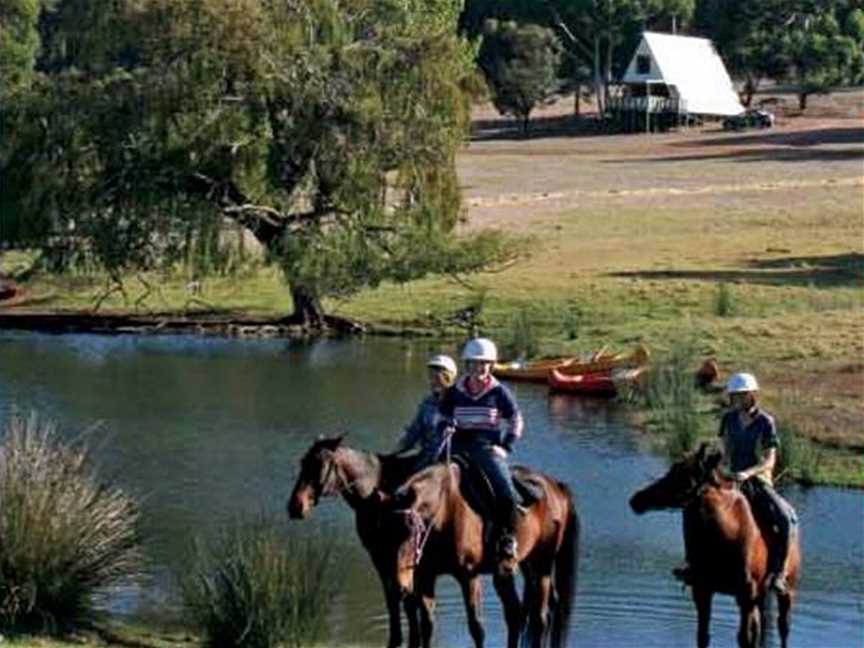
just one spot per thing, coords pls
(492, 413)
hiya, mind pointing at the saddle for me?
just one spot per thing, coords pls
(477, 489)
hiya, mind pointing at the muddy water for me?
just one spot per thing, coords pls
(208, 428)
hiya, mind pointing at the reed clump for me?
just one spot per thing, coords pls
(67, 536)
(671, 396)
(252, 585)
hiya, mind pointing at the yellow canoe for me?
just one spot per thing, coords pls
(537, 371)
(606, 363)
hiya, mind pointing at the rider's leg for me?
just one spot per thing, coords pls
(506, 512)
(778, 522)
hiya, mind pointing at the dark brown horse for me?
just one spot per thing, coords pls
(331, 468)
(443, 534)
(727, 551)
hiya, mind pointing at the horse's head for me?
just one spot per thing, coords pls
(319, 475)
(412, 513)
(678, 486)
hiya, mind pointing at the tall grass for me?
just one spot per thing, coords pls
(797, 458)
(522, 341)
(724, 301)
(671, 395)
(66, 535)
(255, 586)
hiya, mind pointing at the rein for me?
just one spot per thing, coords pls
(420, 531)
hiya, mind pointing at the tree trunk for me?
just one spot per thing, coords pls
(748, 91)
(598, 81)
(308, 311)
(577, 98)
(802, 100)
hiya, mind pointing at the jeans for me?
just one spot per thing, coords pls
(776, 518)
(481, 453)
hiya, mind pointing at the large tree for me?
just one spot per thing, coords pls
(816, 44)
(19, 42)
(328, 128)
(521, 66)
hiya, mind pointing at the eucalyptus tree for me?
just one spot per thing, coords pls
(521, 66)
(19, 42)
(328, 128)
(815, 44)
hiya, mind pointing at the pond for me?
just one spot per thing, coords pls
(207, 428)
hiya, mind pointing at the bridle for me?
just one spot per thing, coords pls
(420, 529)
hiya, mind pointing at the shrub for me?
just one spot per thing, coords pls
(670, 393)
(254, 586)
(66, 536)
(797, 458)
(522, 342)
(724, 301)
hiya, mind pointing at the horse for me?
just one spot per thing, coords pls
(330, 468)
(727, 550)
(443, 534)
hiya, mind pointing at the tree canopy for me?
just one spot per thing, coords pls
(327, 127)
(521, 66)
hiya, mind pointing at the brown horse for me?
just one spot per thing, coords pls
(330, 468)
(727, 551)
(443, 534)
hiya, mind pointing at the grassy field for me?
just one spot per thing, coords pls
(747, 246)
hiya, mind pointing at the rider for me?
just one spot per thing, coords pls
(424, 430)
(750, 453)
(487, 421)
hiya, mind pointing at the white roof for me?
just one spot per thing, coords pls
(693, 66)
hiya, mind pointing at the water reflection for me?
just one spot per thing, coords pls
(206, 428)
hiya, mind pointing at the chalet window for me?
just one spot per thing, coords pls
(643, 64)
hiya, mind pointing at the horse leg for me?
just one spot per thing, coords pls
(541, 609)
(784, 613)
(472, 593)
(506, 587)
(702, 599)
(748, 629)
(412, 611)
(391, 597)
(426, 590)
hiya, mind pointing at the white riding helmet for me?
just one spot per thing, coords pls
(741, 383)
(481, 349)
(443, 362)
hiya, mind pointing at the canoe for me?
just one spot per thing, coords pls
(607, 362)
(530, 371)
(589, 384)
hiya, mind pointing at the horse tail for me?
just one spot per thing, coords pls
(566, 572)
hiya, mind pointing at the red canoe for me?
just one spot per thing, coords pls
(590, 384)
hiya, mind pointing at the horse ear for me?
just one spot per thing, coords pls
(703, 449)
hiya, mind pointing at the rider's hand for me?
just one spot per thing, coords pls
(741, 476)
(500, 451)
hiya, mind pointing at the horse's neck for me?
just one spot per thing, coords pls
(724, 508)
(361, 471)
